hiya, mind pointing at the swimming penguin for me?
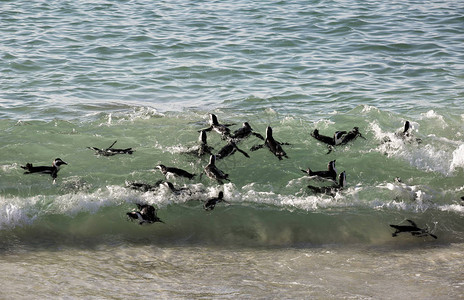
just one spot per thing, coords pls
(274, 146)
(53, 170)
(245, 132)
(111, 151)
(213, 172)
(175, 171)
(405, 134)
(331, 172)
(331, 141)
(174, 190)
(331, 190)
(211, 203)
(230, 149)
(351, 135)
(413, 229)
(144, 187)
(203, 148)
(219, 128)
(146, 214)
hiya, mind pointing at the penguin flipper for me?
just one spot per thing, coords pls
(433, 235)
(256, 147)
(412, 223)
(243, 152)
(258, 135)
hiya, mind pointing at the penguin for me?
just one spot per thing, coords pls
(274, 146)
(405, 134)
(111, 151)
(331, 141)
(230, 149)
(351, 136)
(211, 203)
(245, 132)
(331, 190)
(53, 170)
(214, 172)
(222, 129)
(175, 171)
(143, 187)
(174, 190)
(203, 148)
(413, 229)
(331, 172)
(146, 214)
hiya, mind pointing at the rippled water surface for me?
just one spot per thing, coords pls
(147, 74)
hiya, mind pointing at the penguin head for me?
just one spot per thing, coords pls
(268, 132)
(342, 179)
(213, 119)
(202, 137)
(58, 162)
(162, 168)
(212, 159)
(331, 165)
(407, 125)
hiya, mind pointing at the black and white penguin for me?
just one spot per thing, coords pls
(203, 148)
(222, 129)
(174, 190)
(331, 172)
(230, 149)
(244, 132)
(274, 146)
(333, 189)
(111, 151)
(214, 172)
(331, 141)
(351, 136)
(174, 171)
(211, 203)
(405, 134)
(53, 170)
(144, 187)
(413, 229)
(146, 214)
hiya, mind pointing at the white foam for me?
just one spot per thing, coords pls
(435, 156)
(367, 109)
(9, 168)
(431, 114)
(456, 208)
(17, 211)
(458, 159)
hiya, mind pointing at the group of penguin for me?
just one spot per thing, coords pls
(147, 213)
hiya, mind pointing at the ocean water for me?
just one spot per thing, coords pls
(148, 74)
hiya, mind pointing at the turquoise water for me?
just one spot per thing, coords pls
(147, 75)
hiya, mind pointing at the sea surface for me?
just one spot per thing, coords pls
(148, 74)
